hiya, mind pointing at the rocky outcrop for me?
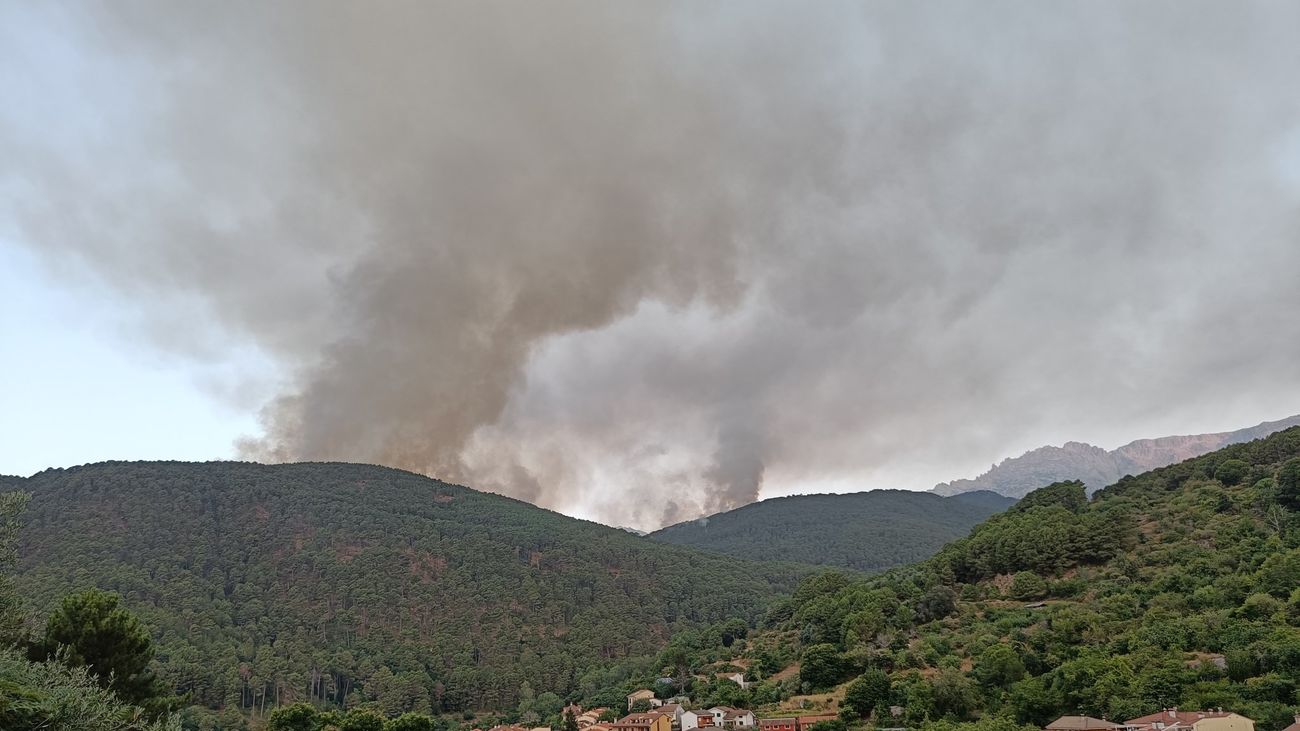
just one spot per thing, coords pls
(1097, 467)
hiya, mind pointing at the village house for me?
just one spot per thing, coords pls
(735, 717)
(589, 717)
(1172, 719)
(673, 711)
(778, 724)
(794, 723)
(727, 717)
(645, 694)
(806, 722)
(1083, 723)
(696, 719)
(644, 722)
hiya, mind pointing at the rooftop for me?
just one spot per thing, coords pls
(1081, 723)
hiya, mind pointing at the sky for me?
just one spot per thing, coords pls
(644, 262)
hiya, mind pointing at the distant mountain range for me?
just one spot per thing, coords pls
(1097, 467)
(868, 531)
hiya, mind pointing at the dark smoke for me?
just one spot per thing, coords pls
(640, 260)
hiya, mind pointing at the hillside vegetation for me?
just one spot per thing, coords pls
(867, 531)
(1179, 587)
(338, 582)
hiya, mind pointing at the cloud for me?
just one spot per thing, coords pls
(644, 262)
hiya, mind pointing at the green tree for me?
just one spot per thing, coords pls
(548, 705)
(362, 719)
(570, 723)
(92, 629)
(1288, 484)
(831, 725)
(937, 602)
(954, 694)
(869, 692)
(986, 723)
(411, 722)
(12, 505)
(999, 666)
(733, 629)
(821, 666)
(1260, 606)
(1280, 574)
(675, 661)
(1231, 471)
(296, 717)
(1028, 585)
(1035, 702)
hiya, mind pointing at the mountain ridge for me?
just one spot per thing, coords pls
(867, 531)
(1097, 467)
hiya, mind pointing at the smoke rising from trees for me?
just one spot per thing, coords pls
(643, 259)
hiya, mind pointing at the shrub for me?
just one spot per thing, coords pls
(1231, 471)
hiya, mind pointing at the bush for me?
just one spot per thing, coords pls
(1280, 573)
(297, 717)
(821, 666)
(411, 722)
(50, 695)
(869, 692)
(1231, 472)
(1028, 585)
(362, 720)
(1260, 606)
(999, 666)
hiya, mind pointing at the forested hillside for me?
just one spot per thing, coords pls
(867, 531)
(326, 581)
(1179, 587)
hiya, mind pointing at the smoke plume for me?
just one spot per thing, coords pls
(639, 260)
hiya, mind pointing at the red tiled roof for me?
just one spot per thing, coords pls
(1174, 716)
(639, 719)
(1080, 723)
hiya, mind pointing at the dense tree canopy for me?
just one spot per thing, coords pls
(867, 531)
(343, 584)
(1174, 587)
(63, 691)
(12, 505)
